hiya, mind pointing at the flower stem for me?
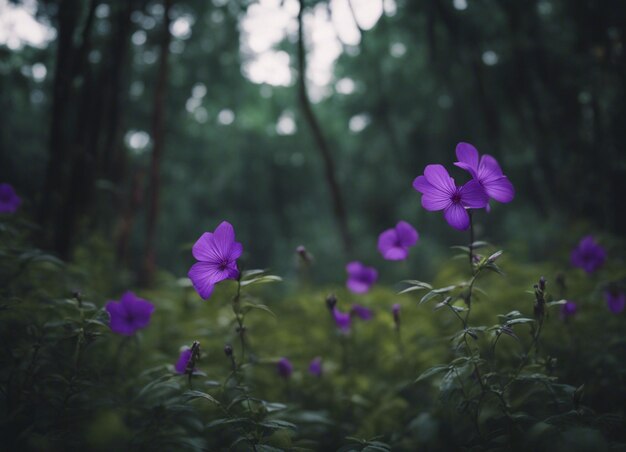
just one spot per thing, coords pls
(471, 244)
(239, 317)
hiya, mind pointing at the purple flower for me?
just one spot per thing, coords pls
(362, 312)
(284, 367)
(395, 310)
(588, 255)
(342, 320)
(486, 171)
(616, 301)
(315, 367)
(9, 201)
(568, 309)
(183, 360)
(394, 243)
(217, 253)
(360, 277)
(439, 192)
(130, 314)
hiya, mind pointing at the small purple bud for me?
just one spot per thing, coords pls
(284, 368)
(568, 310)
(342, 320)
(9, 201)
(228, 350)
(331, 302)
(315, 367)
(362, 312)
(183, 360)
(395, 310)
(616, 301)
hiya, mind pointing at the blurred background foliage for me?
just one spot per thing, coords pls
(141, 124)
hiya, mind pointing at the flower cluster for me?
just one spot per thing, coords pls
(440, 192)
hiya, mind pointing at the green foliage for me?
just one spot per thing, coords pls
(508, 381)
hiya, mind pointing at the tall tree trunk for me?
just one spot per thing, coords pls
(56, 169)
(339, 209)
(69, 144)
(158, 136)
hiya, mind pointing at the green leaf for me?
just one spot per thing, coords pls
(510, 315)
(247, 307)
(411, 289)
(495, 256)
(520, 320)
(429, 296)
(272, 407)
(278, 424)
(415, 282)
(228, 421)
(556, 303)
(432, 371)
(201, 395)
(444, 289)
(250, 273)
(261, 280)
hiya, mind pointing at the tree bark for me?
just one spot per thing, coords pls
(56, 169)
(158, 136)
(339, 209)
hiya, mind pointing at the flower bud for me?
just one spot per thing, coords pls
(395, 310)
(302, 252)
(228, 350)
(542, 284)
(331, 302)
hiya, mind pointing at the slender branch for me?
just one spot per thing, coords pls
(323, 147)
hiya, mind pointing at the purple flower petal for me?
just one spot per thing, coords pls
(473, 195)
(486, 171)
(489, 169)
(433, 199)
(138, 309)
(201, 278)
(468, 157)
(218, 253)
(183, 360)
(360, 277)
(9, 201)
(390, 247)
(204, 248)
(568, 309)
(457, 217)
(315, 367)
(500, 189)
(588, 255)
(284, 367)
(394, 243)
(119, 323)
(130, 314)
(342, 320)
(615, 301)
(407, 235)
(362, 312)
(439, 178)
